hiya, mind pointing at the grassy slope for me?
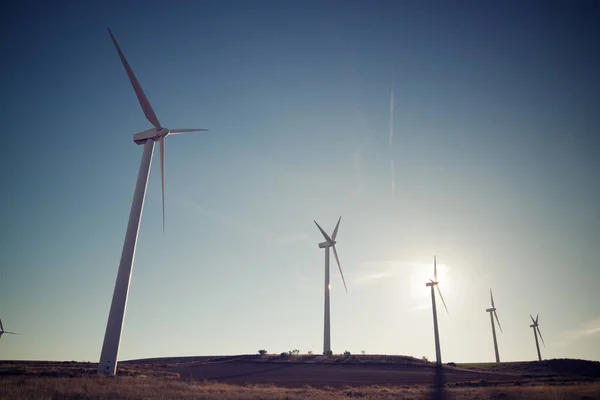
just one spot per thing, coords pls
(590, 369)
(152, 380)
(142, 387)
(285, 357)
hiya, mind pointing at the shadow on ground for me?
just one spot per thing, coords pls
(438, 388)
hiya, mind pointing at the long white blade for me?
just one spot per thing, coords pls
(537, 317)
(325, 235)
(492, 297)
(139, 92)
(162, 177)
(532, 320)
(442, 297)
(541, 337)
(12, 333)
(498, 321)
(1, 327)
(340, 267)
(180, 131)
(434, 269)
(336, 229)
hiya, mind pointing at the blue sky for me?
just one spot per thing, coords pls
(490, 163)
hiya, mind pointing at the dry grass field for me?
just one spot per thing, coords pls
(300, 377)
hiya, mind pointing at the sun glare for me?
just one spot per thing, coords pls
(422, 272)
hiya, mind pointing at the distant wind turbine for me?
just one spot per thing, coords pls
(112, 336)
(2, 331)
(434, 283)
(493, 311)
(329, 242)
(536, 330)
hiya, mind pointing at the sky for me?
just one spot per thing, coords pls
(467, 130)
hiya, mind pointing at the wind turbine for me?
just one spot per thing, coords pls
(536, 330)
(2, 331)
(329, 242)
(434, 283)
(493, 311)
(112, 337)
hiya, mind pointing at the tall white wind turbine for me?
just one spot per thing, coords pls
(329, 242)
(492, 310)
(112, 337)
(536, 330)
(2, 331)
(434, 283)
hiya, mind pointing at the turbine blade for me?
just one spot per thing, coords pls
(180, 131)
(340, 267)
(541, 337)
(492, 297)
(162, 177)
(498, 321)
(532, 320)
(434, 269)
(336, 229)
(139, 92)
(325, 235)
(1, 327)
(12, 333)
(442, 297)
(536, 318)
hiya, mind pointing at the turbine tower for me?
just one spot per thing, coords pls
(2, 331)
(493, 311)
(112, 336)
(329, 242)
(536, 330)
(434, 283)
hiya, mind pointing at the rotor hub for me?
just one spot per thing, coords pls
(162, 132)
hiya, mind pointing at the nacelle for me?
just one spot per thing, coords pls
(141, 137)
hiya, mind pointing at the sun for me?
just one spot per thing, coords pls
(422, 272)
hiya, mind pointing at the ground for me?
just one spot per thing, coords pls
(299, 377)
